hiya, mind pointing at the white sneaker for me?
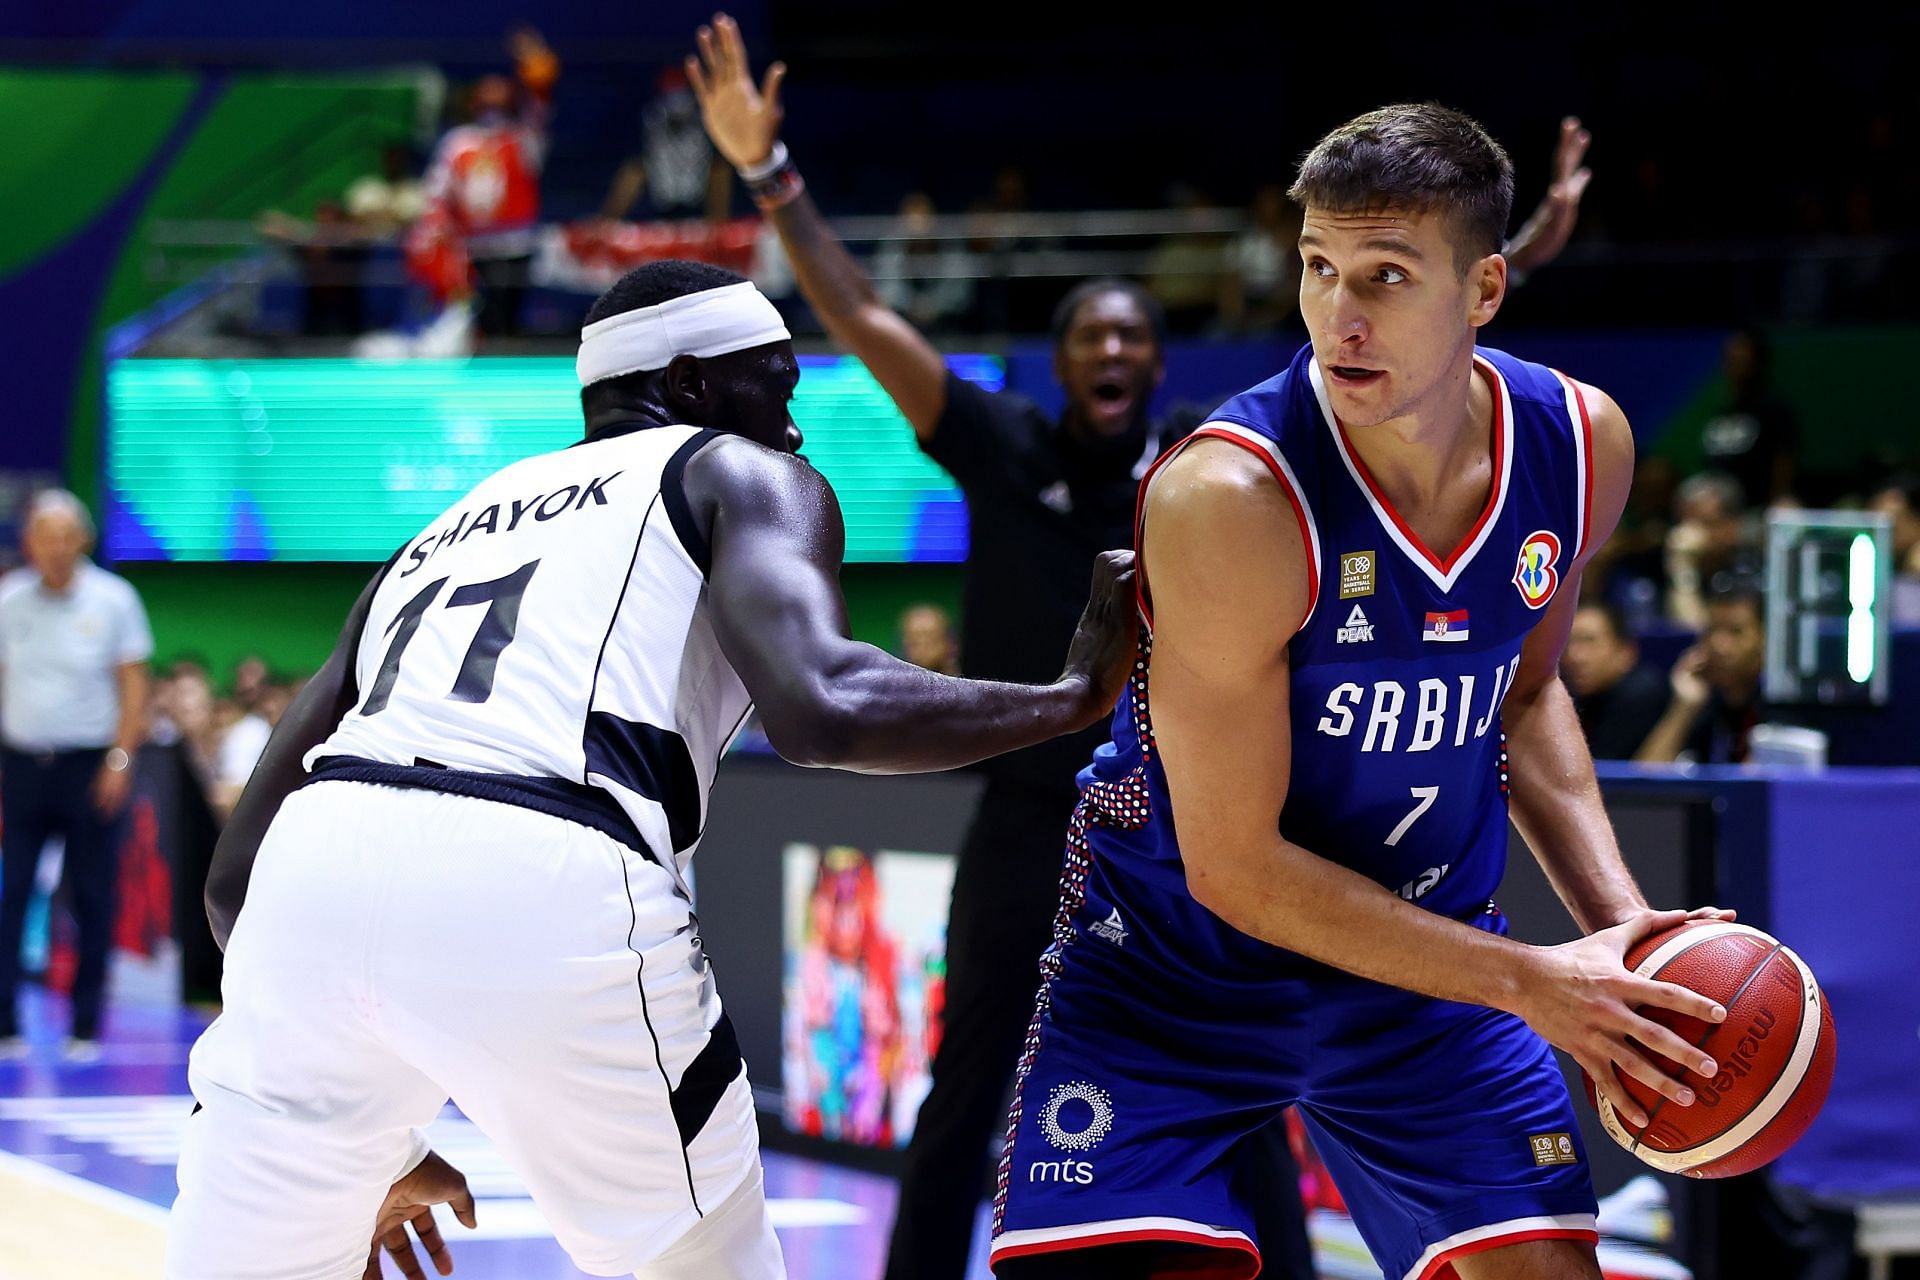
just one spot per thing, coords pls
(82, 1053)
(13, 1049)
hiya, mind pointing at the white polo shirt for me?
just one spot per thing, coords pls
(60, 652)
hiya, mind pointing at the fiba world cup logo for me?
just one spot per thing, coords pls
(1535, 575)
(1077, 1117)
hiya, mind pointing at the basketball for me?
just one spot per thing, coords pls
(1775, 1052)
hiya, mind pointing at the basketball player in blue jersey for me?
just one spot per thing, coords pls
(1357, 579)
(463, 856)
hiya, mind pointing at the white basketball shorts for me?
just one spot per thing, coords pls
(402, 947)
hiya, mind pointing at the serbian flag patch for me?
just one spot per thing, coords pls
(1445, 626)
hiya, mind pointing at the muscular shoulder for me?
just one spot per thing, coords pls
(1219, 524)
(734, 480)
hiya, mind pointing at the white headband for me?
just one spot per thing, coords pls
(712, 322)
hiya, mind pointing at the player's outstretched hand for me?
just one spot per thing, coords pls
(742, 120)
(1103, 648)
(1583, 999)
(411, 1201)
(1547, 231)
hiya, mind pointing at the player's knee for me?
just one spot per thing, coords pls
(1532, 1260)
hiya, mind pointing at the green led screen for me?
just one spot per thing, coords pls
(340, 459)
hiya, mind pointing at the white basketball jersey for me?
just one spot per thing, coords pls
(553, 625)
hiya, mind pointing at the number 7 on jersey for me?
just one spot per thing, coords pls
(1426, 796)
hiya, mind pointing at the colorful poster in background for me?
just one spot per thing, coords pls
(344, 459)
(864, 940)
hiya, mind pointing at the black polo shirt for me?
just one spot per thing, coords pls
(1041, 506)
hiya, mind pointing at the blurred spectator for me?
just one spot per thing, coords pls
(389, 201)
(1710, 537)
(1631, 568)
(674, 171)
(927, 639)
(251, 676)
(1899, 500)
(1259, 290)
(332, 251)
(1753, 436)
(1716, 686)
(1184, 269)
(925, 280)
(74, 645)
(485, 178)
(1618, 700)
(245, 739)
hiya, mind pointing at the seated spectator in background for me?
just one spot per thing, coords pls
(332, 250)
(251, 676)
(924, 280)
(1619, 701)
(1710, 537)
(927, 639)
(1184, 269)
(1260, 288)
(245, 739)
(674, 171)
(1899, 499)
(385, 203)
(1716, 686)
(1631, 568)
(1753, 436)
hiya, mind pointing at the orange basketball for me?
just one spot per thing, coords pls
(1774, 1051)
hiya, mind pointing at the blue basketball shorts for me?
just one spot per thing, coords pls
(1163, 1038)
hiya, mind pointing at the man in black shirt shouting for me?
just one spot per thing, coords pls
(1044, 499)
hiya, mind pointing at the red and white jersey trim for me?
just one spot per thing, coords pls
(1583, 460)
(1498, 1235)
(1442, 573)
(1276, 462)
(1080, 1235)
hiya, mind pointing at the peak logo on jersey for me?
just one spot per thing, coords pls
(1358, 629)
(1078, 1116)
(1447, 628)
(1113, 929)
(541, 506)
(1356, 574)
(1535, 575)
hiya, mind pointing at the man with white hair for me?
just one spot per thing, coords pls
(74, 645)
(478, 889)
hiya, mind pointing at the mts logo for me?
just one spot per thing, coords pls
(1078, 1172)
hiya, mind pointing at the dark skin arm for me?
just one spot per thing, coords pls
(829, 701)
(744, 122)
(309, 719)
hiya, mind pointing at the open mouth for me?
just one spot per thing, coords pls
(1111, 392)
(1354, 375)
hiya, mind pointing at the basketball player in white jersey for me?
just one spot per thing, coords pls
(463, 853)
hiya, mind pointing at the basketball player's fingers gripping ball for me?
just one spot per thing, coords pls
(1773, 1054)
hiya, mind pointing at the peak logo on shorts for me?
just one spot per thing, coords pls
(1534, 573)
(1553, 1148)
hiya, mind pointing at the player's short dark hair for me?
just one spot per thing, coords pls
(653, 283)
(1417, 156)
(1087, 290)
(1616, 619)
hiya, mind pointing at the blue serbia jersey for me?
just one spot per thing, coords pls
(1399, 759)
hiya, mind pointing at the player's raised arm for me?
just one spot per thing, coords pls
(827, 700)
(1227, 570)
(744, 122)
(309, 720)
